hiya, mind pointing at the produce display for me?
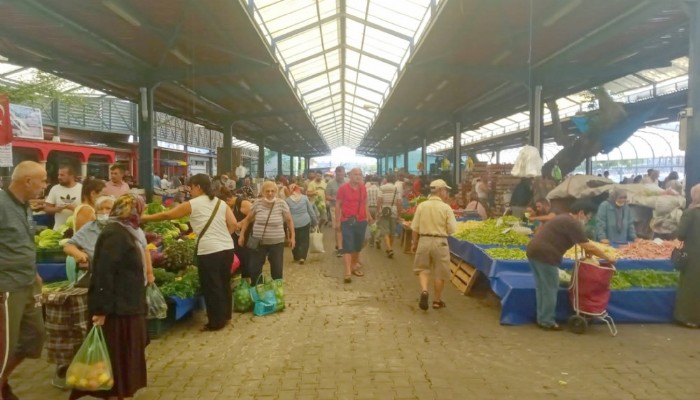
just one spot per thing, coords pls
(166, 229)
(648, 249)
(177, 255)
(463, 225)
(48, 239)
(407, 214)
(54, 287)
(505, 253)
(183, 285)
(577, 250)
(644, 278)
(493, 232)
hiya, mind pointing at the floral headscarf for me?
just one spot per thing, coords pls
(127, 210)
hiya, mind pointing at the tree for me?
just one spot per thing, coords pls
(576, 150)
(40, 88)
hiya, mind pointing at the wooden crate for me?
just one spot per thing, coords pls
(406, 236)
(464, 275)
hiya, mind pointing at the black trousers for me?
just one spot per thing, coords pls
(215, 281)
(301, 247)
(273, 252)
(243, 254)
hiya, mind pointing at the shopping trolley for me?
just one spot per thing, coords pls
(589, 293)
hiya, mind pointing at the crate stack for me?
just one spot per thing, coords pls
(502, 183)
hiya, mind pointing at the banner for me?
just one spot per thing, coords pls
(26, 122)
(5, 126)
(6, 155)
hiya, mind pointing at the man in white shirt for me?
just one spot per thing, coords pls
(64, 197)
(165, 183)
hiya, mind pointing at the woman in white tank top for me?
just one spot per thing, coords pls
(215, 249)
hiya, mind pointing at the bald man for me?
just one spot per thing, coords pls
(21, 322)
(352, 213)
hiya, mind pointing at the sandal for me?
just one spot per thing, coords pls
(423, 302)
(358, 272)
(390, 253)
(439, 304)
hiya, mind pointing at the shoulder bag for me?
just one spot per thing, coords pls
(199, 237)
(679, 258)
(254, 242)
(386, 211)
(352, 220)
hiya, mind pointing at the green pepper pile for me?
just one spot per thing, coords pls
(644, 278)
(491, 232)
(506, 253)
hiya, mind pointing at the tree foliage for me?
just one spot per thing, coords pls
(42, 87)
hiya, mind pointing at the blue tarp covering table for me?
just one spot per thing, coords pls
(183, 306)
(513, 282)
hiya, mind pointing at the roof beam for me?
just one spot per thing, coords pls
(304, 28)
(378, 27)
(316, 75)
(376, 57)
(379, 78)
(311, 57)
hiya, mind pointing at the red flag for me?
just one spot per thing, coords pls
(5, 125)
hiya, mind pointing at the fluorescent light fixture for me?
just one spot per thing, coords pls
(34, 53)
(125, 15)
(442, 84)
(268, 107)
(429, 97)
(181, 56)
(561, 13)
(244, 84)
(419, 106)
(501, 57)
(258, 98)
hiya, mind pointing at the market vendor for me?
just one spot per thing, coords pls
(614, 219)
(546, 251)
(543, 211)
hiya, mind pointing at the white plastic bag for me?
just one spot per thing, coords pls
(528, 164)
(316, 241)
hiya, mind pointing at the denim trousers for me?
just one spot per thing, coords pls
(546, 288)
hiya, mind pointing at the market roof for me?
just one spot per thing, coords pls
(308, 75)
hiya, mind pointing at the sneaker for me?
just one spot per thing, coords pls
(338, 253)
(423, 303)
(301, 261)
(7, 393)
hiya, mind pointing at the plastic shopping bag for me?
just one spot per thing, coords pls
(242, 302)
(157, 307)
(275, 286)
(316, 241)
(91, 368)
(264, 299)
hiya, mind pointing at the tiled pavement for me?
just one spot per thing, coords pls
(369, 340)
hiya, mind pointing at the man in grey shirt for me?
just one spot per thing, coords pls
(21, 321)
(331, 192)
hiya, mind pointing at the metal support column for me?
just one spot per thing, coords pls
(291, 166)
(536, 109)
(56, 115)
(279, 163)
(227, 157)
(589, 166)
(424, 157)
(307, 162)
(692, 153)
(386, 164)
(396, 167)
(405, 161)
(457, 147)
(379, 166)
(147, 130)
(261, 158)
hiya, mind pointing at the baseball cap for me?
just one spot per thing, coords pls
(439, 183)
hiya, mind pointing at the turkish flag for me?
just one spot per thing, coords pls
(5, 125)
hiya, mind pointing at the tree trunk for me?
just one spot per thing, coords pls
(559, 137)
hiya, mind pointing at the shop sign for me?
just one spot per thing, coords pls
(198, 150)
(5, 125)
(6, 155)
(26, 122)
(171, 146)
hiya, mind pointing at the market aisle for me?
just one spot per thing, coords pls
(369, 340)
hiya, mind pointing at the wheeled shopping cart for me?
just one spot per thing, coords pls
(589, 293)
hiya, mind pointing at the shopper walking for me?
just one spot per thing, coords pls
(213, 222)
(304, 218)
(267, 219)
(22, 329)
(117, 297)
(687, 310)
(546, 250)
(372, 196)
(331, 193)
(432, 223)
(389, 208)
(352, 213)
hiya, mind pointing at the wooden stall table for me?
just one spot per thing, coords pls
(406, 236)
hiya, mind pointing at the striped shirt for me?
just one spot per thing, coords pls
(275, 226)
(390, 194)
(372, 194)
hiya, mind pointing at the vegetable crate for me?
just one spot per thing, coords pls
(464, 275)
(156, 327)
(50, 256)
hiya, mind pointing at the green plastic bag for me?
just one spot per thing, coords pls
(241, 297)
(276, 285)
(91, 369)
(157, 307)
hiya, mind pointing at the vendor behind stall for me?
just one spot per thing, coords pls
(543, 211)
(614, 219)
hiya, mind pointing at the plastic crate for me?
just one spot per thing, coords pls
(157, 327)
(50, 256)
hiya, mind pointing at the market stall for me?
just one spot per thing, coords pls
(642, 291)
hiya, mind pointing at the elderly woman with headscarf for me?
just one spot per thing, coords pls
(687, 310)
(614, 219)
(117, 297)
(304, 217)
(267, 219)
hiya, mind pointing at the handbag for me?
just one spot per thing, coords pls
(679, 258)
(199, 237)
(265, 301)
(253, 242)
(316, 241)
(386, 211)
